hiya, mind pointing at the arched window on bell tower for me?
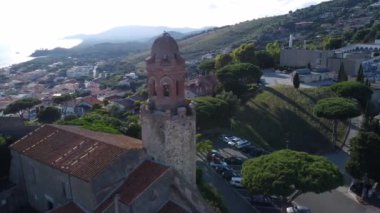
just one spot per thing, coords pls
(166, 89)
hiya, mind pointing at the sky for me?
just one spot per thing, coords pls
(59, 18)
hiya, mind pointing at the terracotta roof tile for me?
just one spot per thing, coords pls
(79, 152)
(139, 180)
(171, 207)
(69, 208)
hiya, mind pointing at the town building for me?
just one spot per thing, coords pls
(351, 57)
(60, 168)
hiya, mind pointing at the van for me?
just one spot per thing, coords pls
(236, 181)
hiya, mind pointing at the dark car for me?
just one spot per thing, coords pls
(258, 152)
(229, 174)
(214, 155)
(248, 149)
(262, 201)
(234, 161)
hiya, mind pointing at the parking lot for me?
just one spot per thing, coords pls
(225, 161)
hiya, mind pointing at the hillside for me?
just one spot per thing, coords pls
(349, 19)
(283, 113)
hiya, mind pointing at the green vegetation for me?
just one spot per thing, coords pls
(222, 60)
(336, 109)
(49, 115)
(244, 54)
(236, 77)
(296, 81)
(365, 156)
(285, 172)
(102, 121)
(206, 66)
(211, 112)
(342, 75)
(204, 146)
(332, 43)
(209, 193)
(21, 105)
(283, 113)
(360, 76)
(353, 89)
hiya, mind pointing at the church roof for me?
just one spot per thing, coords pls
(140, 179)
(137, 183)
(164, 45)
(74, 150)
(171, 207)
(68, 208)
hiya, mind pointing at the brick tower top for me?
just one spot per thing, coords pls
(166, 74)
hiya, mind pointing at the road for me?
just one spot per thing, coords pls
(233, 201)
(336, 201)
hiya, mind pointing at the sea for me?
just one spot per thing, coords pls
(14, 52)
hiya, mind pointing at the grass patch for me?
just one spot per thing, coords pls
(283, 114)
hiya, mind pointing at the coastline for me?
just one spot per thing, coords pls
(11, 54)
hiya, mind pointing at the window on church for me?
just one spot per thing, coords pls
(153, 88)
(166, 90)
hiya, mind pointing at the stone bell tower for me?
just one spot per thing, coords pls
(167, 120)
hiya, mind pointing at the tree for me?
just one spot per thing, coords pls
(244, 54)
(342, 75)
(204, 146)
(63, 98)
(49, 115)
(360, 76)
(353, 89)
(235, 77)
(209, 111)
(264, 59)
(332, 43)
(286, 172)
(296, 81)
(274, 49)
(364, 158)
(207, 66)
(336, 109)
(21, 105)
(222, 60)
(232, 101)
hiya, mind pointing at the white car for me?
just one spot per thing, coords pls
(237, 181)
(298, 209)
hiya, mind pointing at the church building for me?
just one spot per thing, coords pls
(59, 168)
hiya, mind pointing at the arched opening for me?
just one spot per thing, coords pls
(166, 89)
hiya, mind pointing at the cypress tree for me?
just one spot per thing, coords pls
(342, 75)
(360, 76)
(296, 81)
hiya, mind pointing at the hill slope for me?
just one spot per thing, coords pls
(283, 113)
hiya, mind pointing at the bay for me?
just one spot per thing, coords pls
(14, 52)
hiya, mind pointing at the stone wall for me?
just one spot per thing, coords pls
(170, 139)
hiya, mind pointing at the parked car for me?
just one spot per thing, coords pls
(248, 149)
(242, 143)
(261, 200)
(233, 140)
(298, 209)
(229, 174)
(236, 181)
(234, 160)
(222, 169)
(214, 155)
(217, 164)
